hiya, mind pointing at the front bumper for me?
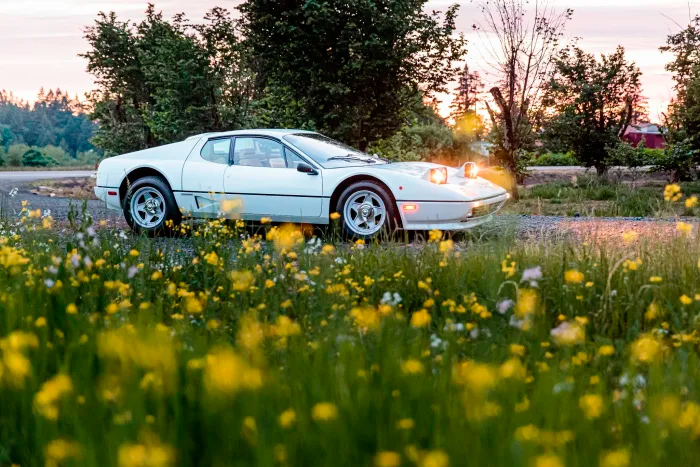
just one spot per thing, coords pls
(449, 215)
(110, 196)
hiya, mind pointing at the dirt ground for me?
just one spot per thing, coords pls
(75, 188)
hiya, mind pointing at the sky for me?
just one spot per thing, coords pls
(40, 39)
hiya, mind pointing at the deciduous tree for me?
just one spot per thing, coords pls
(593, 102)
(348, 68)
(159, 81)
(520, 43)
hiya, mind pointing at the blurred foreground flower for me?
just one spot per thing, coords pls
(60, 450)
(647, 349)
(568, 333)
(324, 411)
(226, 373)
(285, 237)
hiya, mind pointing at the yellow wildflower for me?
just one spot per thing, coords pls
(324, 411)
(285, 237)
(672, 192)
(647, 349)
(435, 459)
(684, 228)
(617, 458)
(405, 424)
(573, 276)
(591, 405)
(242, 280)
(226, 373)
(548, 460)
(60, 450)
(287, 418)
(51, 392)
(387, 459)
(366, 318)
(652, 312)
(420, 319)
(151, 453)
(435, 236)
(411, 367)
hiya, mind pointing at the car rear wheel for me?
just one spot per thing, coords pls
(150, 207)
(367, 210)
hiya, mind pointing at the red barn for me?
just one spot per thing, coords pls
(649, 132)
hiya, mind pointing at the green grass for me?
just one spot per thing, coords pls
(590, 196)
(170, 352)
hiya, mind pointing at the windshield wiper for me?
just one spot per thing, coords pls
(350, 157)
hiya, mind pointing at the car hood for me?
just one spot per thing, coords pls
(472, 188)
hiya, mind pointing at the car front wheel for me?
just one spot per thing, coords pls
(367, 210)
(150, 207)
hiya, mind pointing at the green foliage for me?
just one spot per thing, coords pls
(54, 119)
(349, 69)
(36, 158)
(624, 154)
(679, 160)
(14, 154)
(683, 115)
(596, 197)
(428, 138)
(554, 159)
(415, 142)
(594, 101)
(142, 356)
(160, 81)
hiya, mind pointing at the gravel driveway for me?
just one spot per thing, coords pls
(521, 226)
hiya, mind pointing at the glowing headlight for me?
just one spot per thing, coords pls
(438, 176)
(471, 170)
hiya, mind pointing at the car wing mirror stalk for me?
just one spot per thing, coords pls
(306, 169)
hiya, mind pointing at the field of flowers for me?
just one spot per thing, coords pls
(229, 348)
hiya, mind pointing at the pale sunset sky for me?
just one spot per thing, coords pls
(40, 39)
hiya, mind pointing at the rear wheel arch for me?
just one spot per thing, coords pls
(335, 197)
(136, 174)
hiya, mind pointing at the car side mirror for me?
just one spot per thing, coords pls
(306, 169)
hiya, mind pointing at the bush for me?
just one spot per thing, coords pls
(36, 158)
(555, 159)
(15, 153)
(679, 160)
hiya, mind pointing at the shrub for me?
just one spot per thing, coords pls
(36, 158)
(679, 160)
(555, 159)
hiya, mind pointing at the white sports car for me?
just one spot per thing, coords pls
(292, 176)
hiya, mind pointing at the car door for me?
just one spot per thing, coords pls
(264, 176)
(203, 178)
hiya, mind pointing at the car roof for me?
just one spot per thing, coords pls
(277, 132)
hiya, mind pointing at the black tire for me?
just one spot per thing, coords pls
(172, 215)
(391, 221)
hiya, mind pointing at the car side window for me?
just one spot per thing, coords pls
(217, 150)
(259, 152)
(292, 157)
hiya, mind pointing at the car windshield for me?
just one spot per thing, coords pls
(323, 149)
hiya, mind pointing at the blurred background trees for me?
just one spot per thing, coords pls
(367, 72)
(54, 120)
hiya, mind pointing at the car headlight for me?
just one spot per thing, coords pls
(438, 176)
(471, 170)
